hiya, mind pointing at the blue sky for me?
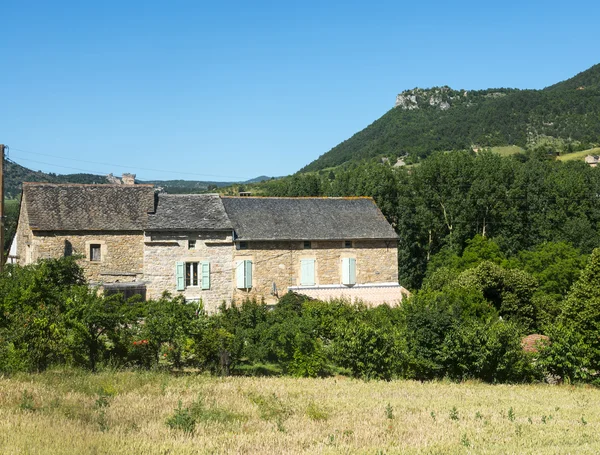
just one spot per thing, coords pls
(232, 90)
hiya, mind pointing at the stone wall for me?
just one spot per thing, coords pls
(23, 237)
(163, 250)
(278, 263)
(371, 294)
(122, 253)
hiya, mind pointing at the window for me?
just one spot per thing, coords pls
(307, 245)
(95, 252)
(349, 271)
(243, 272)
(307, 272)
(191, 244)
(191, 274)
(348, 244)
(243, 245)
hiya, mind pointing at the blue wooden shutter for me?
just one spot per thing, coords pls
(180, 275)
(205, 271)
(307, 272)
(248, 274)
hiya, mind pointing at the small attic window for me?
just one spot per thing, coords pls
(243, 245)
(307, 245)
(191, 244)
(348, 244)
(95, 252)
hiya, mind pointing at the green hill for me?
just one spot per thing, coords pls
(15, 175)
(564, 116)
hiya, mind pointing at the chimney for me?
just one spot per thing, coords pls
(128, 179)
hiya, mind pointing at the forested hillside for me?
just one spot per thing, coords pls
(563, 117)
(15, 175)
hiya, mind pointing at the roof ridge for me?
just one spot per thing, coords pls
(115, 185)
(299, 197)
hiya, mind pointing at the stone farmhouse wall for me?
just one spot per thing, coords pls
(279, 263)
(121, 258)
(163, 250)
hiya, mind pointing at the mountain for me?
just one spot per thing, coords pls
(564, 117)
(15, 175)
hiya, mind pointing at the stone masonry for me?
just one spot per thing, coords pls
(163, 250)
(121, 253)
(278, 262)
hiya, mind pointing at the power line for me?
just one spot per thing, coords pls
(120, 166)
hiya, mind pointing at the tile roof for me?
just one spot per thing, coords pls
(78, 207)
(189, 212)
(266, 218)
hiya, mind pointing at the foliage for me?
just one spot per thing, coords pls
(581, 309)
(482, 118)
(51, 317)
(566, 355)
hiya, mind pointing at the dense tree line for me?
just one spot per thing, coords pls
(437, 207)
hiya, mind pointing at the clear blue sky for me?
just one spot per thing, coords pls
(232, 90)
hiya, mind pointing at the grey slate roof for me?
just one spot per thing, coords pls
(176, 212)
(258, 218)
(75, 207)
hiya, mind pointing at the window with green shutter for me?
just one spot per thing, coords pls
(307, 272)
(205, 271)
(349, 271)
(243, 272)
(180, 275)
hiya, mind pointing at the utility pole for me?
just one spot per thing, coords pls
(2, 207)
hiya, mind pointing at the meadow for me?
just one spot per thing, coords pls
(72, 412)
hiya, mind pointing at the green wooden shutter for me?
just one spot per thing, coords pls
(239, 275)
(248, 274)
(205, 267)
(307, 272)
(348, 271)
(352, 271)
(180, 275)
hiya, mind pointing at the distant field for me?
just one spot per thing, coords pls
(508, 150)
(579, 155)
(127, 413)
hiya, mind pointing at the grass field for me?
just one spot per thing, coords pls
(579, 155)
(508, 150)
(66, 412)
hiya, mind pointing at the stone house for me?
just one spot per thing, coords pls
(211, 248)
(103, 223)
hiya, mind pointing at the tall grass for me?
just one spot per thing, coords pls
(70, 412)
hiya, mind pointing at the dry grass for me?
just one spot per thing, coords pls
(126, 413)
(578, 155)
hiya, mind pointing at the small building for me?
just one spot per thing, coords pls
(592, 160)
(210, 248)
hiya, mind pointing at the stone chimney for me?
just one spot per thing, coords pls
(128, 179)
